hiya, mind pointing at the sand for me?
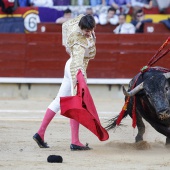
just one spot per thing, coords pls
(18, 151)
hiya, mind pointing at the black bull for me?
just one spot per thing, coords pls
(152, 93)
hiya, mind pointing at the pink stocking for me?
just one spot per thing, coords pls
(75, 133)
(47, 119)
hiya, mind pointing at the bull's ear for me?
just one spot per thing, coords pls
(167, 75)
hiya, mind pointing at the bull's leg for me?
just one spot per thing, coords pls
(141, 128)
(168, 141)
(163, 130)
(139, 121)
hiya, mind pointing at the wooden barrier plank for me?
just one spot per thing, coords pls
(14, 47)
(47, 55)
(143, 38)
(57, 28)
(42, 55)
(49, 27)
(12, 64)
(127, 47)
(114, 56)
(125, 66)
(47, 73)
(12, 72)
(48, 37)
(108, 28)
(53, 65)
(105, 28)
(154, 28)
(131, 38)
(12, 38)
(9, 56)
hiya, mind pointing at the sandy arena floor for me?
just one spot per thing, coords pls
(21, 119)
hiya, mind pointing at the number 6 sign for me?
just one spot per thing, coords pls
(31, 18)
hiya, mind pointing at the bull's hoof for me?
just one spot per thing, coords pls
(138, 139)
(168, 142)
(142, 145)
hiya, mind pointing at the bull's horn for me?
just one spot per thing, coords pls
(134, 91)
(167, 75)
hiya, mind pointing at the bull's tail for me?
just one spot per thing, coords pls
(112, 122)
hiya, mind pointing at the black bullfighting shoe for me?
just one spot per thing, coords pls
(39, 141)
(78, 148)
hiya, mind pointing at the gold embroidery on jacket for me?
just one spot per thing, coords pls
(77, 38)
(68, 27)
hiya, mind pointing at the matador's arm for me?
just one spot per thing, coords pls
(77, 54)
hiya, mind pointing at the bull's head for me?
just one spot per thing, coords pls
(157, 90)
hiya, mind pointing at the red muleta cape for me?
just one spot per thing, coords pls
(82, 109)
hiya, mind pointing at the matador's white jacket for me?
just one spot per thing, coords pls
(80, 48)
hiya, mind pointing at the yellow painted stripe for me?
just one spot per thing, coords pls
(30, 11)
(155, 17)
(9, 15)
